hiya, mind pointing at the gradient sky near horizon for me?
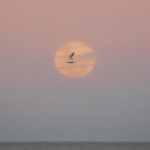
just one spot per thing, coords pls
(110, 104)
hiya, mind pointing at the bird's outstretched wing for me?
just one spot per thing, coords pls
(71, 56)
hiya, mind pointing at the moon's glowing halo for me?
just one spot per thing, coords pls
(84, 60)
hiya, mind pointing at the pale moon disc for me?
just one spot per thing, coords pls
(83, 59)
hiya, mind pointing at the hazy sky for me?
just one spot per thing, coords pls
(39, 104)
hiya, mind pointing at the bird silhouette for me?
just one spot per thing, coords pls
(71, 58)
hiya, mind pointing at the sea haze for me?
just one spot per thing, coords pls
(75, 146)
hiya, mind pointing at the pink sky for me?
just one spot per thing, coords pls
(114, 96)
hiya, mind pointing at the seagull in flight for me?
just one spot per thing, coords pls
(71, 58)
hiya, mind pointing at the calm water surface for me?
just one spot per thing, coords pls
(74, 146)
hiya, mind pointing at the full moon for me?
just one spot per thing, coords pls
(83, 60)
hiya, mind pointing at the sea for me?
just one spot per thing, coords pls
(74, 145)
